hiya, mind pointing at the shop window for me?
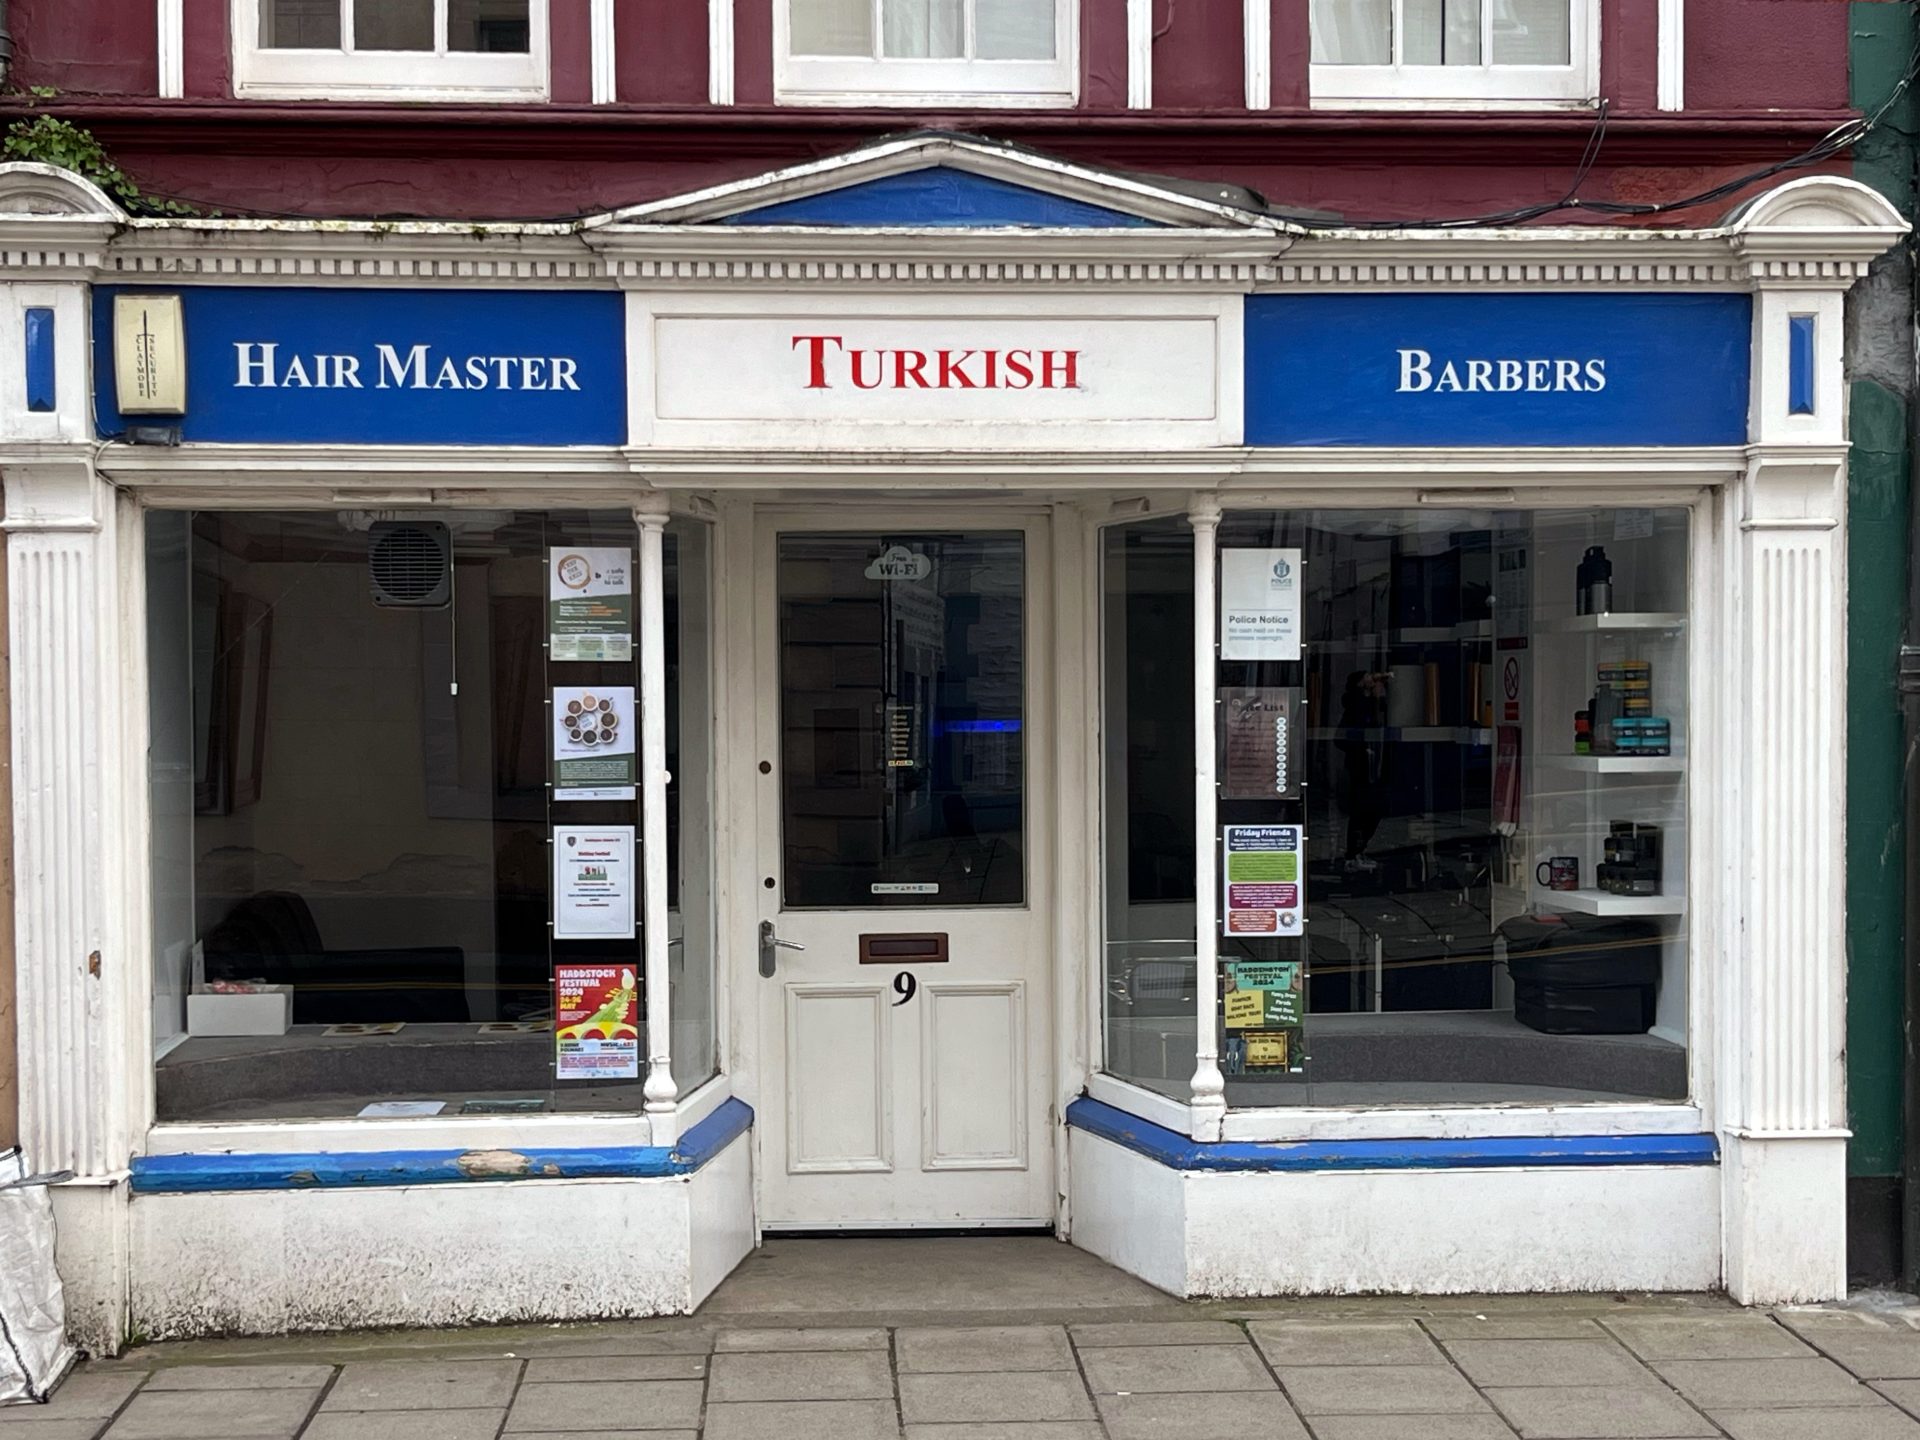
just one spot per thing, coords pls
(1453, 51)
(406, 49)
(1451, 754)
(396, 859)
(925, 52)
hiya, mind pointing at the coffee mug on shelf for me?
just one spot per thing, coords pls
(1561, 872)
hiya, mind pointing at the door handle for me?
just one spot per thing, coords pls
(770, 947)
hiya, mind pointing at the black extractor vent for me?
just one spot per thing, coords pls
(410, 563)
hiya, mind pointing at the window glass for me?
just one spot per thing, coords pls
(393, 25)
(1441, 32)
(1147, 604)
(378, 812)
(1013, 30)
(924, 29)
(1352, 32)
(1453, 831)
(831, 27)
(1531, 32)
(691, 917)
(300, 24)
(902, 710)
(488, 26)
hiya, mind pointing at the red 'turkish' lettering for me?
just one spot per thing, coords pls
(830, 364)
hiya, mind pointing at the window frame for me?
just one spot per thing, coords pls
(348, 74)
(848, 80)
(1486, 86)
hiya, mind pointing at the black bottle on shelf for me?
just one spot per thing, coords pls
(1593, 583)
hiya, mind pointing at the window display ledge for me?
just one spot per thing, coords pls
(200, 1173)
(1178, 1152)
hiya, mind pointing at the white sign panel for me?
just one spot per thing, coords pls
(593, 882)
(976, 374)
(589, 603)
(1259, 604)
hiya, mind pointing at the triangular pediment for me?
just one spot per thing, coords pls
(936, 180)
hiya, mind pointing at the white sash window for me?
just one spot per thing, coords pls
(925, 52)
(391, 49)
(1454, 52)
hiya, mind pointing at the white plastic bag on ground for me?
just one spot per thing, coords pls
(34, 1353)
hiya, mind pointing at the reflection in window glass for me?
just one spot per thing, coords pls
(1441, 32)
(924, 29)
(1485, 754)
(902, 719)
(690, 819)
(489, 26)
(364, 801)
(1532, 32)
(830, 27)
(1352, 32)
(300, 24)
(1147, 600)
(1013, 30)
(393, 25)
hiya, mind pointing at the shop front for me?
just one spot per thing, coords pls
(935, 689)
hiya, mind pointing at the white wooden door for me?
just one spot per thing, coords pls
(903, 678)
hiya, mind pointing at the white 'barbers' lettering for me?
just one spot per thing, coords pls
(1419, 375)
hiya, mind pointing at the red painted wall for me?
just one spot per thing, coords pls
(82, 48)
(1103, 54)
(1198, 55)
(570, 66)
(1630, 55)
(752, 52)
(207, 61)
(1766, 54)
(660, 51)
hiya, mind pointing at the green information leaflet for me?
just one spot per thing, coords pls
(589, 603)
(1264, 1007)
(1262, 880)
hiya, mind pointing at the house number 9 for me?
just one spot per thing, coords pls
(904, 985)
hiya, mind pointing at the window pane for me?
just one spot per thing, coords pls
(1147, 628)
(830, 27)
(393, 25)
(1442, 32)
(1532, 32)
(925, 29)
(1490, 784)
(902, 720)
(1352, 32)
(300, 24)
(1013, 29)
(690, 817)
(492, 26)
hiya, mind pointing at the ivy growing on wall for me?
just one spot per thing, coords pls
(53, 141)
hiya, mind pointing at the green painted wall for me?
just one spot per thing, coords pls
(1878, 530)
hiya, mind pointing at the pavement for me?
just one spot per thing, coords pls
(1025, 1339)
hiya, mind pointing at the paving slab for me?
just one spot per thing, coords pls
(83, 1395)
(1411, 1427)
(1344, 1342)
(1548, 1362)
(1378, 1390)
(1764, 1384)
(424, 1385)
(1904, 1393)
(743, 1341)
(1146, 1369)
(241, 1377)
(1245, 1415)
(1011, 1430)
(811, 1375)
(1158, 1332)
(1036, 1395)
(405, 1425)
(986, 1347)
(576, 1369)
(1703, 1337)
(214, 1415)
(1600, 1412)
(805, 1420)
(61, 1429)
(677, 1343)
(605, 1405)
(1513, 1327)
(1871, 1346)
(1856, 1423)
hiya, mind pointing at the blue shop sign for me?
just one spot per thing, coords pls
(1431, 370)
(390, 367)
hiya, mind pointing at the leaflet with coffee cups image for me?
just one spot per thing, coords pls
(593, 742)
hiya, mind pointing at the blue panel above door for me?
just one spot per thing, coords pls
(938, 196)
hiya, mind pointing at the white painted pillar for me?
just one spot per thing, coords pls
(660, 1090)
(1209, 1106)
(1782, 976)
(1139, 54)
(720, 64)
(605, 58)
(1257, 30)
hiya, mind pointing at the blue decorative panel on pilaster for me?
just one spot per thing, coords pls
(938, 196)
(1800, 364)
(41, 390)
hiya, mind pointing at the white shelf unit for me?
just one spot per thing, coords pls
(1603, 902)
(1675, 765)
(1617, 620)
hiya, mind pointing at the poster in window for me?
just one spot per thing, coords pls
(596, 1022)
(1259, 604)
(1263, 880)
(589, 603)
(1256, 743)
(593, 882)
(593, 740)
